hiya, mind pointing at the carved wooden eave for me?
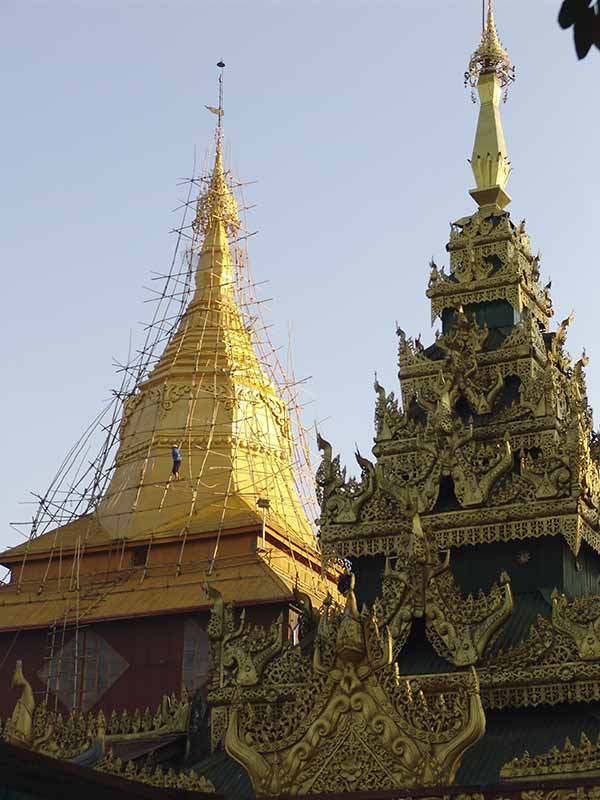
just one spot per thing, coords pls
(564, 518)
(342, 719)
(559, 662)
(70, 735)
(572, 761)
(189, 780)
(530, 687)
(579, 620)
(53, 734)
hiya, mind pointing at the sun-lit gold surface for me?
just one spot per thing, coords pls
(209, 395)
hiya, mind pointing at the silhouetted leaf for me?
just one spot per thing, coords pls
(582, 34)
(570, 11)
(585, 21)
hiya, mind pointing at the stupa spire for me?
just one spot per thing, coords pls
(218, 202)
(490, 71)
(209, 396)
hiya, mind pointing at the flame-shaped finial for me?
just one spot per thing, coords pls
(490, 56)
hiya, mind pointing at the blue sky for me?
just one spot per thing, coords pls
(352, 119)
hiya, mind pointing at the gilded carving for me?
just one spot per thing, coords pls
(242, 652)
(421, 584)
(190, 781)
(461, 345)
(342, 500)
(459, 628)
(351, 722)
(501, 420)
(547, 667)
(54, 734)
(19, 726)
(570, 761)
(580, 620)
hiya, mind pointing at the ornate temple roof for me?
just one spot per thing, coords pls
(491, 440)
(473, 539)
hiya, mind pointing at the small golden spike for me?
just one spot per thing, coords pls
(490, 56)
(217, 202)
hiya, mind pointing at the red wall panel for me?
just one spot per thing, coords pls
(152, 647)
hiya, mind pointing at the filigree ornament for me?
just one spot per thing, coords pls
(54, 734)
(460, 629)
(490, 260)
(461, 345)
(421, 584)
(342, 500)
(445, 447)
(580, 620)
(390, 422)
(549, 474)
(351, 722)
(548, 667)
(448, 448)
(490, 56)
(569, 762)
(190, 781)
(242, 652)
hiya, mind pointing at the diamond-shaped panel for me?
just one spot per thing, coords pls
(195, 656)
(93, 661)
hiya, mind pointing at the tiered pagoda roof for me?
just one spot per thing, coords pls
(473, 538)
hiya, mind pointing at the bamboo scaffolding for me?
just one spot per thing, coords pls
(82, 479)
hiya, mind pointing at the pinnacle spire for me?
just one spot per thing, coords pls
(490, 70)
(217, 203)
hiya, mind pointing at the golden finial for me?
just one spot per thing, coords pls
(490, 56)
(490, 70)
(217, 202)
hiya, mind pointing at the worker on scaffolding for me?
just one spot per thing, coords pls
(176, 461)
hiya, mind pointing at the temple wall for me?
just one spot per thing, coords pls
(131, 663)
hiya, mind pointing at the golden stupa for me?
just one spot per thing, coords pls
(229, 523)
(209, 396)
